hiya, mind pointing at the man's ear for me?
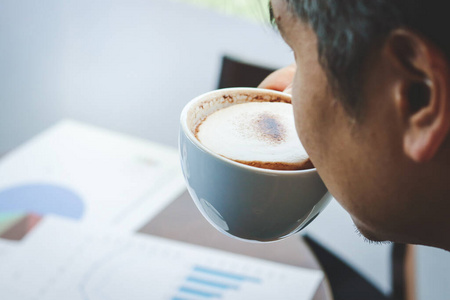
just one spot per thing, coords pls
(421, 93)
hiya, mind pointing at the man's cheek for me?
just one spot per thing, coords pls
(308, 129)
(303, 124)
(302, 111)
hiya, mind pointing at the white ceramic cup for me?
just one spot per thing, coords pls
(239, 200)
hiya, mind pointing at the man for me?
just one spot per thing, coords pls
(371, 98)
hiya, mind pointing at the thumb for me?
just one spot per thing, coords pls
(288, 89)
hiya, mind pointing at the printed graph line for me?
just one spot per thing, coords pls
(82, 287)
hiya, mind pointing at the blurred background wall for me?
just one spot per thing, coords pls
(116, 63)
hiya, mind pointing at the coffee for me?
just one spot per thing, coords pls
(259, 134)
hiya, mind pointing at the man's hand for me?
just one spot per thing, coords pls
(280, 80)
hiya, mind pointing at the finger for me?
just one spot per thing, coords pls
(288, 89)
(280, 79)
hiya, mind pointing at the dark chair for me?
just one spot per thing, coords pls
(236, 73)
(347, 284)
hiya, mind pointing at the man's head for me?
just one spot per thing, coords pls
(372, 104)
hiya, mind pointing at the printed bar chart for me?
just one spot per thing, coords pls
(205, 282)
(104, 265)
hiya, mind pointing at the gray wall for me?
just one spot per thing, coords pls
(126, 65)
(432, 274)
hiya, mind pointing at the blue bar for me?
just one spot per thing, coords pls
(199, 293)
(212, 283)
(225, 274)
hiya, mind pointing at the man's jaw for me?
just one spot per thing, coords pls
(368, 235)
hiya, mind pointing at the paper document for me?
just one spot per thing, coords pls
(87, 174)
(64, 260)
(6, 247)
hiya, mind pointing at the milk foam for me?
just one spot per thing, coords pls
(254, 132)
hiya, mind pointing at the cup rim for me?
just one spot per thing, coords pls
(195, 141)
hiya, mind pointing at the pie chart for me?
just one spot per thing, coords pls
(22, 206)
